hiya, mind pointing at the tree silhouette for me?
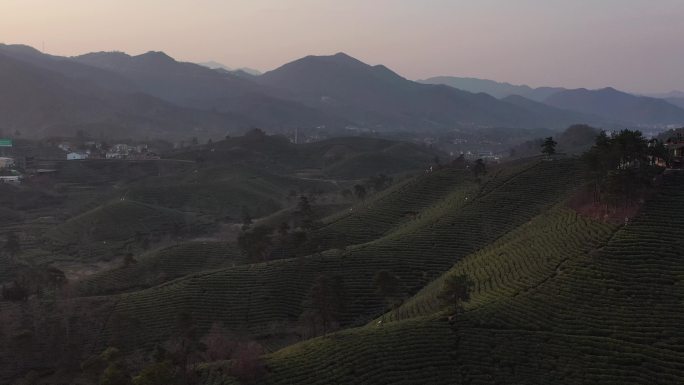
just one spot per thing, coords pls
(246, 218)
(622, 165)
(359, 191)
(479, 168)
(305, 212)
(116, 372)
(256, 243)
(12, 245)
(549, 146)
(459, 162)
(455, 291)
(157, 373)
(218, 344)
(325, 303)
(185, 344)
(380, 182)
(247, 364)
(283, 231)
(387, 286)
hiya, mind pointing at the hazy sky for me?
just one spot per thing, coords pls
(636, 45)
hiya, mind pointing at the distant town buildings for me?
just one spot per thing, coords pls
(675, 147)
(14, 178)
(6, 162)
(8, 174)
(77, 156)
(96, 150)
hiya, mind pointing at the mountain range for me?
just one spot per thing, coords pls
(608, 104)
(222, 67)
(37, 102)
(618, 106)
(497, 89)
(113, 93)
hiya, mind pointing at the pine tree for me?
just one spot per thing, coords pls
(549, 146)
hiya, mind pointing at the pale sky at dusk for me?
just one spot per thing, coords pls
(635, 45)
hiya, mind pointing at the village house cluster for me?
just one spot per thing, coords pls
(675, 146)
(8, 172)
(98, 150)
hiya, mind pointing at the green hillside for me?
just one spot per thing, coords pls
(115, 227)
(162, 265)
(224, 191)
(560, 300)
(402, 203)
(345, 157)
(517, 262)
(264, 299)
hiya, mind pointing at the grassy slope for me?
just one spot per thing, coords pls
(350, 157)
(109, 229)
(162, 265)
(223, 191)
(400, 204)
(610, 315)
(516, 262)
(256, 296)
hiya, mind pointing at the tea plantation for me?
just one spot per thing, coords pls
(560, 300)
(263, 299)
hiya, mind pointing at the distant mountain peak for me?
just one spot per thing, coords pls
(243, 71)
(610, 90)
(338, 58)
(156, 56)
(494, 88)
(618, 106)
(342, 55)
(215, 65)
(20, 48)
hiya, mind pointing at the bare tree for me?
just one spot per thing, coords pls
(325, 303)
(219, 344)
(247, 364)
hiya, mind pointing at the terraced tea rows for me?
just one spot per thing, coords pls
(409, 352)
(258, 296)
(162, 265)
(389, 209)
(634, 283)
(609, 316)
(517, 262)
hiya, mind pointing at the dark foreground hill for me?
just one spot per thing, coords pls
(256, 297)
(556, 297)
(574, 302)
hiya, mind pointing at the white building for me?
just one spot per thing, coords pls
(115, 155)
(77, 156)
(10, 179)
(64, 146)
(6, 162)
